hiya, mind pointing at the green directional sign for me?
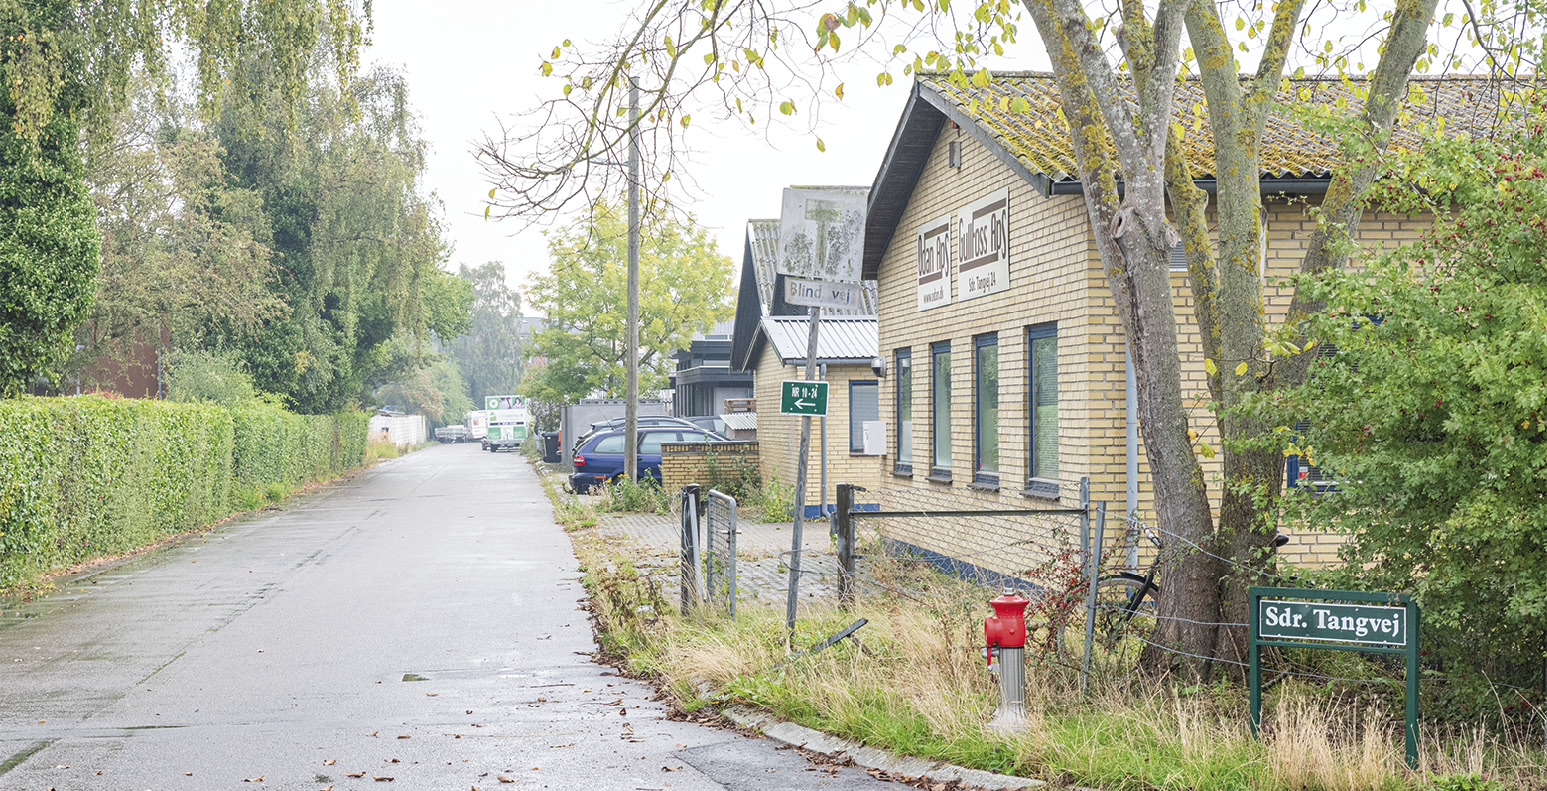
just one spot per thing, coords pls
(797, 397)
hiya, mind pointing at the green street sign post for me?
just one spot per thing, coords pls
(1374, 623)
(799, 397)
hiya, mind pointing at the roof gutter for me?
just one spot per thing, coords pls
(1298, 186)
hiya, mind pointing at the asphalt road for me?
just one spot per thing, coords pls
(415, 627)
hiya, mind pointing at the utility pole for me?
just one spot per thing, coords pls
(631, 409)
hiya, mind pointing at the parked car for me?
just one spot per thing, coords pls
(600, 458)
(452, 433)
(643, 421)
(709, 423)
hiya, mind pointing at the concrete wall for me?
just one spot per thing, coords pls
(401, 430)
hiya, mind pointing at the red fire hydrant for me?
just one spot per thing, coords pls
(1006, 630)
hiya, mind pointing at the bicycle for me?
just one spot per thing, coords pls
(1125, 601)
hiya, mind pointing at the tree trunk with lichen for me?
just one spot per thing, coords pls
(1205, 571)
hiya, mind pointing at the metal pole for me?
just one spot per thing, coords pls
(1131, 503)
(631, 409)
(845, 521)
(825, 512)
(1090, 594)
(1254, 665)
(800, 485)
(1410, 733)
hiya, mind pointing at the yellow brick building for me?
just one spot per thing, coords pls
(1007, 376)
(845, 345)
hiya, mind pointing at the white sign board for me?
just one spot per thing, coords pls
(842, 296)
(934, 263)
(983, 236)
(822, 234)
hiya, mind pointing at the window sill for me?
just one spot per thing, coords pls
(940, 476)
(903, 471)
(984, 486)
(1041, 490)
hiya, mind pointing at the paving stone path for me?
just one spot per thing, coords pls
(762, 554)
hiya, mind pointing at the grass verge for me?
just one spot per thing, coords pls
(915, 684)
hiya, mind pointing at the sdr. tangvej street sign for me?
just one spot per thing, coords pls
(797, 397)
(1375, 623)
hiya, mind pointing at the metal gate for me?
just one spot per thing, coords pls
(708, 559)
(720, 560)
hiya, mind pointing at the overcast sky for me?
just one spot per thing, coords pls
(469, 62)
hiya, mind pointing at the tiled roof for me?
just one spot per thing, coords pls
(850, 339)
(1039, 138)
(763, 237)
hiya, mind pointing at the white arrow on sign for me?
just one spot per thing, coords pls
(804, 404)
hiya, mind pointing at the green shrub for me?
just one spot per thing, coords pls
(626, 496)
(775, 502)
(86, 477)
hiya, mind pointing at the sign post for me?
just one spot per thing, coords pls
(821, 235)
(1373, 623)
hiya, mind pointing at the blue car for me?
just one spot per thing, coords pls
(600, 458)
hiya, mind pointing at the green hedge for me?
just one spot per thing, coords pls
(85, 477)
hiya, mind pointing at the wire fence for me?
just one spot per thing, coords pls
(951, 550)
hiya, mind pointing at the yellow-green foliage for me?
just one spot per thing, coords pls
(86, 477)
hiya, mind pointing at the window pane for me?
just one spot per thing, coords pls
(940, 404)
(651, 442)
(1044, 407)
(988, 409)
(904, 408)
(864, 404)
(612, 444)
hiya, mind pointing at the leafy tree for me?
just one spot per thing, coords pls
(357, 247)
(48, 249)
(1430, 416)
(684, 288)
(179, 252)
(750, 54)
(435, 391)
(67, 68)
(489, 354)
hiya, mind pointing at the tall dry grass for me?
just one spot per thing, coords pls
(915, 682)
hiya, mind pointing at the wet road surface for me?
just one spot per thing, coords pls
(420, 622)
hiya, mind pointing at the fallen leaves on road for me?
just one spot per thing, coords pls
(670, 768)
(354, 774)
(373, 733)
(257, 779)
(622, 712)
(404, 736)
(382, 778)
(503, 779)
(330, 762)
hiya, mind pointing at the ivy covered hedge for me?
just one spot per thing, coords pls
(85, 477)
